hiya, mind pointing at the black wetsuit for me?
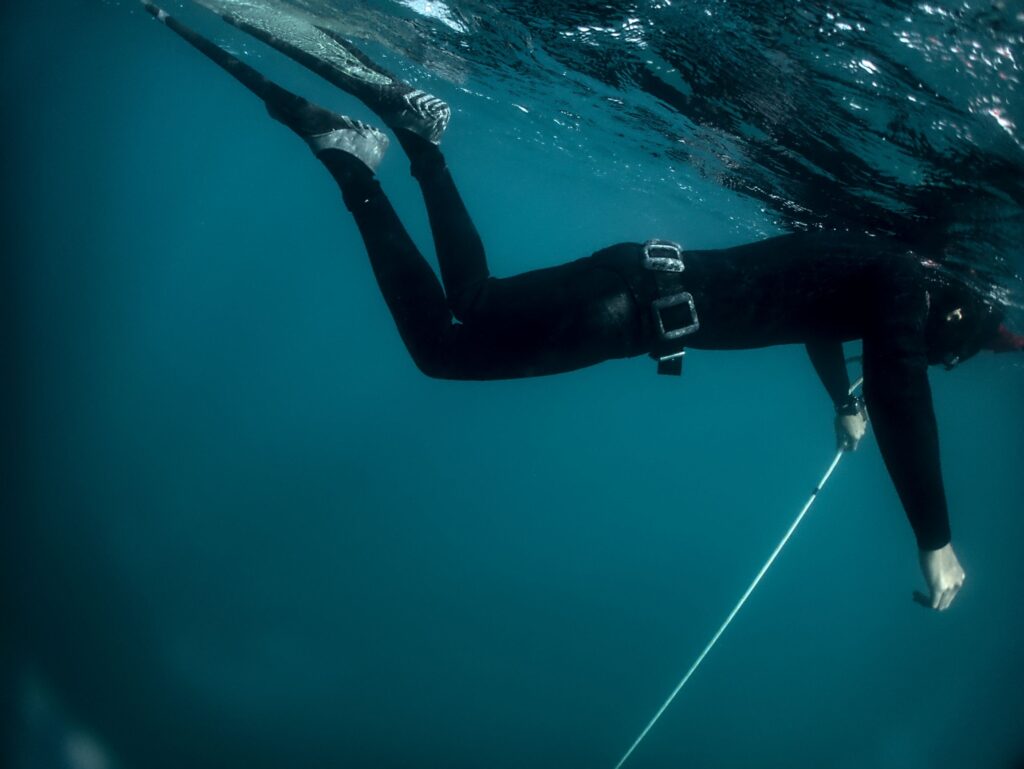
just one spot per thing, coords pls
(816, 289)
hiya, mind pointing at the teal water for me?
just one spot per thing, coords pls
(244, 531)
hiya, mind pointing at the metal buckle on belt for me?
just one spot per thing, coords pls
(658, 307)
(670, 352)
(663, 256)
(666, 256)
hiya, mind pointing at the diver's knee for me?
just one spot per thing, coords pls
(431, 363)
(468, 300)
(429, 369)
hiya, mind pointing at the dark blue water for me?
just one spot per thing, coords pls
(244, 531)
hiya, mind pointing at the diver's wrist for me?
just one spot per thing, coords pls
(852, 406)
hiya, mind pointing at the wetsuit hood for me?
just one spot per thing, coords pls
(962, 320)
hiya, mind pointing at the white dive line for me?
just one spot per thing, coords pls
(743, 600)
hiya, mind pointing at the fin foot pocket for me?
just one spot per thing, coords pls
(359, 140)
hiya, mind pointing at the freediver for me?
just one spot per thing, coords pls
(631, 299)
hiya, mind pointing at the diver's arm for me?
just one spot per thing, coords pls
(851, 419)
(899, 396)
(828, 360)
(900, 400)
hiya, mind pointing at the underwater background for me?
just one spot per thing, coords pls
(241, 530)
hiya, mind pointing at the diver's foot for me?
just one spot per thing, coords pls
(413, 110)
(361, 141)
(397, 103)
(324, 130)
(335, 59)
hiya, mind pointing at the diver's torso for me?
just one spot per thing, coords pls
(793, 289)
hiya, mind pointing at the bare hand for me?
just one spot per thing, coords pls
(943, 575)
(851, 424)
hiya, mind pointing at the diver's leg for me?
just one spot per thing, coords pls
(537, 323)
(556, 319)
(350, 151)
(542, 322)
(408, 284)
(417, 118)
(460, 251)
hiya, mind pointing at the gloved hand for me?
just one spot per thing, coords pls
(851, 423)
(944, 575)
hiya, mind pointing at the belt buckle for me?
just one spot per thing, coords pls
(663, 256)
(658, 306)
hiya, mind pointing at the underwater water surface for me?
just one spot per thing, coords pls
(242, 530)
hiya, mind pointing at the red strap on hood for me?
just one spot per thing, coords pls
(1006, 341)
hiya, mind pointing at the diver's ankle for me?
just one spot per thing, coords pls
(345, 167)
(424, 156)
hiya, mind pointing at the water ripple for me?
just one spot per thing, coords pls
(888, 116)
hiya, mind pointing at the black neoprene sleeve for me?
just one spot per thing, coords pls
(899, 400)
(828, 360)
